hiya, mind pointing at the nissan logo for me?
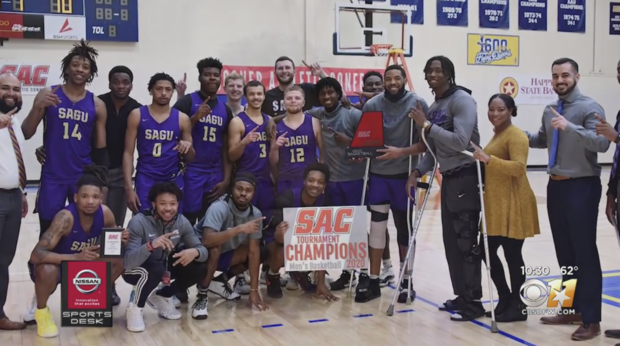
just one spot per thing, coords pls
(4, 23)
(91, 283)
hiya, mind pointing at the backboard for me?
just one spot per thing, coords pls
(361, 23)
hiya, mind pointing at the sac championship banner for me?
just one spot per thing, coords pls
(492, 50)
(86, 299)
(325, 238)
(33, 77)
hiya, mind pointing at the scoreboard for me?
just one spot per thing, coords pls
(94, 20)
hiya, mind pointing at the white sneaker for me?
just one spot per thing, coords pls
(223, 290)
(29, 316)
(164, 306)
(387, 276)
(175, 300)
(262, 279)
(135, 319)
(241, 285)
(199, 309)
(291, 284)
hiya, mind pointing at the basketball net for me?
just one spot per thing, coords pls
(380, 51)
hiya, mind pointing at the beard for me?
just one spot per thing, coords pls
(285, 81)
(569, 89)
(5, 108)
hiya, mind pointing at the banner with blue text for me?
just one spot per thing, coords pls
(614, 18)
(572, 15)
(452, 12)
(494, 14)
(417, 15)
(533, 15)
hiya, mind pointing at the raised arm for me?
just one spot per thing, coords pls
(133, 121)
(316, 127)
(465, 112)
(587, 133)
(33, 119)
(516, 166)
(43, 251)
(236, 145)
(186, 135)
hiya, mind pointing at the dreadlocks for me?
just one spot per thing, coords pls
(329, 82)
(94, 175)
(446, 65)
(84, 51)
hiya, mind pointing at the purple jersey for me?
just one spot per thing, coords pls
(255, 157)
(300, 150)
(78, 239)
(157, 158)
(298, 202)
(208, 137)
(67, 138)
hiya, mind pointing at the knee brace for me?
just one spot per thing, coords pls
(402, 229)
(467, 235)
(379, 215)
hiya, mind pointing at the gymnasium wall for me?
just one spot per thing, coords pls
(254, 33)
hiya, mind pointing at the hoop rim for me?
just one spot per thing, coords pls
(374, 49)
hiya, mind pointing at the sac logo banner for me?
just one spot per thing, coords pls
(86, 294)
(492, 50)
(33, 77)
(325, 238)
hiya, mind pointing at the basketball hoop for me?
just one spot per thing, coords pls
(380, 49)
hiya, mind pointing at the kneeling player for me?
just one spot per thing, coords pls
(154, 255)
(316, 176)
(73, 236)
(231, 230)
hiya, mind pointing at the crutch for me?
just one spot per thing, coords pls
(494, 328)
(350, 291)
(419, 211)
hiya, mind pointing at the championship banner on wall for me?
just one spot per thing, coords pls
(350, 78)
(86, 299)
(325, 238)
(34, 77)
(528, 89)
(492, 50)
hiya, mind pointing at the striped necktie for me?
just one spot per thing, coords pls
(20, 158)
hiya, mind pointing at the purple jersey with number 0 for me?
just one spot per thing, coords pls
(156, 142)
(299, 152)
(69, 128)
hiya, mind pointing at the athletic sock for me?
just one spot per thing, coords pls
(269, 272)
(364, 271)
(202, 290)
(387, 263)
(374, 277)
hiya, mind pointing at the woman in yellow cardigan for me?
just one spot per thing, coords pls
(510, 205)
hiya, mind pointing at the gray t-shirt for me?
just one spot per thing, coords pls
(396, 130)
(345, 121)
(223, 215)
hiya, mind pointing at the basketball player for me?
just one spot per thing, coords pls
(163, 136)
(231, 230)
(388, 177)
(72, 236)
(73, 119)
(162, 245)
(310, 194)
(373, 86)
(451, 126)
(233, 85)
(285, 73)
(208, 177)
(294, 146)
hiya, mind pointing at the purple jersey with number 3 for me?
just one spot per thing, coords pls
(78, 239)
(208, 137)
(255, 157)
(156, 142)
(299, 152)
(69, 128)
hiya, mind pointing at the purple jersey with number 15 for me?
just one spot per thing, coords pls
(157, 157)
(69, 128)
(208, 137)
(299, 152)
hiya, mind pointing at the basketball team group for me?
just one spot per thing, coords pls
(212, 179)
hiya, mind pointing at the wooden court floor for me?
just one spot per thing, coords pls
(299, 319)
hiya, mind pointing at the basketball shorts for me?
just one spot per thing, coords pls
(345, 193)
(144, 184)
(392, 191)
(52, 197)
(33, 276)
(265, 199)
(223, 263)
(284, 185)
(199, 185)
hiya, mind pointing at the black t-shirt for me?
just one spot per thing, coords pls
(274, 100)
(287, 200)
(612, 186)
(185, 103)
(116, 127)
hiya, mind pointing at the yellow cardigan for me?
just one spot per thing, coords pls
(510, 203)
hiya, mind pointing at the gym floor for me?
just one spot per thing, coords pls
(300, 319)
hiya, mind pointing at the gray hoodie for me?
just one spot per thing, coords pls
(144, 227)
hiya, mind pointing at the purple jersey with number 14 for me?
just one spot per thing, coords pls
(69, 128)
(298, 153)
(156, 142)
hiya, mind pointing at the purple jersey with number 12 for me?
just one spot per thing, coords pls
(299, 152)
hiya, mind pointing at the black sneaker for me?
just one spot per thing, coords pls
(469, 311)
(274, 289)
(304, 281)
(182, 296)
(402, 295)
(343, 281)
(116, 300)
(367, 289)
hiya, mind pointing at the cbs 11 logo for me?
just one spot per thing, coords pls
(557, 293)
